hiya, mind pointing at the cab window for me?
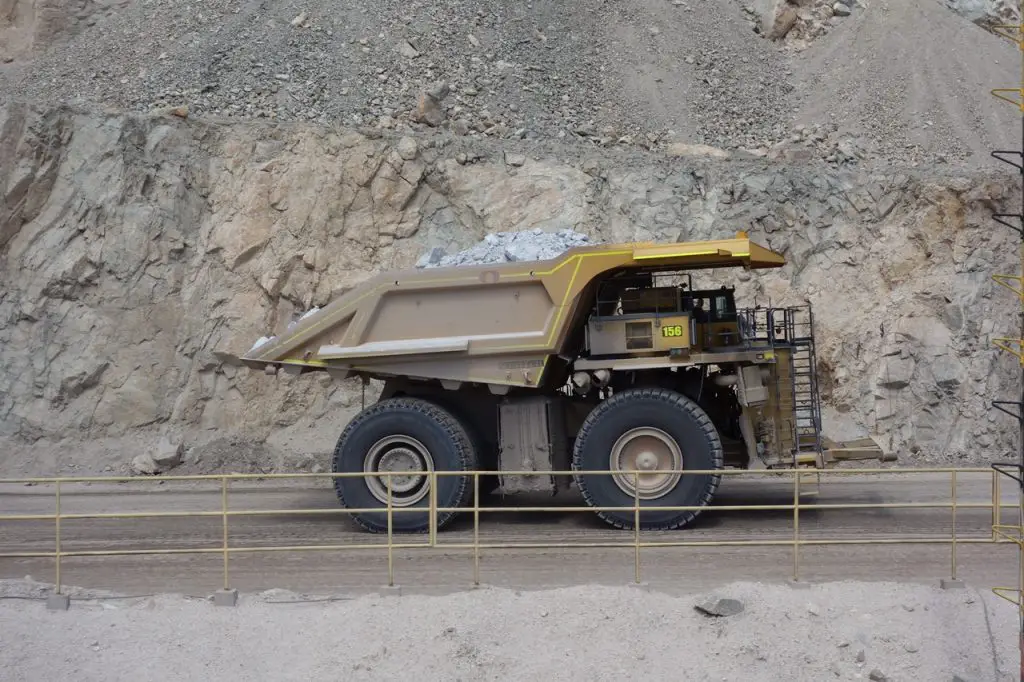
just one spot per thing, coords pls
(724, 309)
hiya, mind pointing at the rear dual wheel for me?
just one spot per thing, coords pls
(654, 431)
(408, 438)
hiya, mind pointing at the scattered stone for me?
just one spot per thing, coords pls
(407, 50)
(778, 22)
(515, 159)
(720, 607)
(432, 257)
(180, 111)
(439, 90)
(697, 150)
(861, 656)
(407, 148)
(841, 9)
(144, 465)
(877, 675)
(429, 110)
(299, 20)
(168, 454)
(813, 610)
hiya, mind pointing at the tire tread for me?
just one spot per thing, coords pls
(677, 400)
(452, 427)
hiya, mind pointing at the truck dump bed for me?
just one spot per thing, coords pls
(494, 324)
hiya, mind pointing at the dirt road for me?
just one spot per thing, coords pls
(442, 569)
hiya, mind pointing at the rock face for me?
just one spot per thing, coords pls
(987, 13)
(132, 250)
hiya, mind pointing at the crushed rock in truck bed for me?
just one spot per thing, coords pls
(507, 247)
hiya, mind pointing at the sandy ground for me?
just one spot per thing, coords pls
(836, 631)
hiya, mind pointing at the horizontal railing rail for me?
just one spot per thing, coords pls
(636, 538)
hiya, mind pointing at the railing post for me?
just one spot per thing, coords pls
(796, 524)
(391, 557)
(56, 553)
(57, 601)
(432, 521)
(997, 505)
(952, 479)
(225, 596)
(224, 522)
(636, 527)
(476, 528)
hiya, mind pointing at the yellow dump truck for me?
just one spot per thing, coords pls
(602, 359)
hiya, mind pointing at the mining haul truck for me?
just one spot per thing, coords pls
(604, 359)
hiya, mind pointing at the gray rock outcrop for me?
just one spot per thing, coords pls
(134, 250)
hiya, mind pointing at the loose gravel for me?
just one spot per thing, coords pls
(590, 69)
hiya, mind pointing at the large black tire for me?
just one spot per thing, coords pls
(415, 423)
(674, 416)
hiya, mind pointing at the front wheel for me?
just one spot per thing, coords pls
(408, 437)
(655, 431)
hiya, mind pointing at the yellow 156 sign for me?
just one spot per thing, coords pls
(672, 331)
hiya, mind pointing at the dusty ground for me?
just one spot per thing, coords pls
(835, 631)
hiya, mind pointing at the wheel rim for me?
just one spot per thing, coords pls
(646, 449)
(399, 454)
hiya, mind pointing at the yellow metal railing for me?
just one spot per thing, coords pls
(634, 539)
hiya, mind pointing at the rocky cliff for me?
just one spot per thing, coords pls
(132, 248)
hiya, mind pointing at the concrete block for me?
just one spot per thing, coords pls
(225, 598)
(951, 584)
(58, 602)
(391, 591)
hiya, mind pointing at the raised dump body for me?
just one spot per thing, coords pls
(602, 359)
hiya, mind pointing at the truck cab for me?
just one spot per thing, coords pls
(649, 314)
